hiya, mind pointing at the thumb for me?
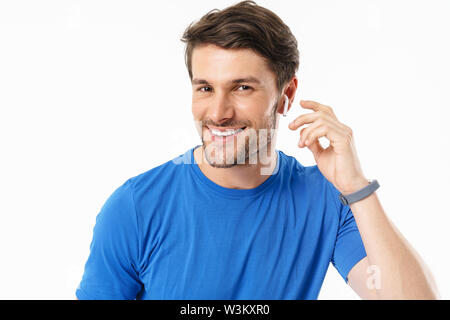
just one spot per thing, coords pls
(315, 148)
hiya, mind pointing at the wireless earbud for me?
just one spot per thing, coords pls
(286, 104)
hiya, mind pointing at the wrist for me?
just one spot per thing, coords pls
(356, 185)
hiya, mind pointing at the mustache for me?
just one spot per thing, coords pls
(229, 123)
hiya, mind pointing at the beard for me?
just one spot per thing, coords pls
(244, 149)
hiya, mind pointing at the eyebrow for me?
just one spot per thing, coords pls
(241, 80)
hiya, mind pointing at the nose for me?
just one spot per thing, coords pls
(220, 108)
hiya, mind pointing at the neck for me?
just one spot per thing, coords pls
(239, 176)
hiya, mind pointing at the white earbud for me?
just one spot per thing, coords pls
(286, 104)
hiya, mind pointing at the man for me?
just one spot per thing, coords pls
(234, 218)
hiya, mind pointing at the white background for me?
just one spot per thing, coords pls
(95, 92)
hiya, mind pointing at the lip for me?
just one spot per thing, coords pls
(224, 129)
(226, 138)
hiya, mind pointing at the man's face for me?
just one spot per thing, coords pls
(234, 103)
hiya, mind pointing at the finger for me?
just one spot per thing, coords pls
(300, 140)
(306, 132)
(321, 131)
(328, 129)
(315, 148)
(303, 119)
(309, 104)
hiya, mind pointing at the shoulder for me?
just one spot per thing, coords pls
(310, 180)
(154, 179)
(143, 191)
(293, 168)
(161, 177)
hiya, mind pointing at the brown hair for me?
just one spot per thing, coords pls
(247, 25)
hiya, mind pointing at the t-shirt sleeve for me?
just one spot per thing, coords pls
(349, 248)
(112, 269)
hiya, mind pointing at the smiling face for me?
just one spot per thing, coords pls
(234, 101)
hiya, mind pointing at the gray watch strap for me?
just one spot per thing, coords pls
(360, 194)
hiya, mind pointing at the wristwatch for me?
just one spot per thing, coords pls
(360, 194)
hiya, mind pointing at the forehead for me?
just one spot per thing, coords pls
(214, 63)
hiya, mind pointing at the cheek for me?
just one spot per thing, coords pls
(250, 107)
(197, 110)
(253, 110)
(257, 113)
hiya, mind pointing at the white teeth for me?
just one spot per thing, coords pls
(225, 133)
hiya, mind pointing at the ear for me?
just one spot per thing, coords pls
(290, 90)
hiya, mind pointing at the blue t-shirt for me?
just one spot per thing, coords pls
(172, 233)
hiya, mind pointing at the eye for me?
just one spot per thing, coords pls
(201, 89)
(244, 86)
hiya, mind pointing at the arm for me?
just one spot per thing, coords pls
(112, 269)
(402, 274)
(359, 279)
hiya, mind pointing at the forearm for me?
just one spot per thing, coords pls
(403, 273)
